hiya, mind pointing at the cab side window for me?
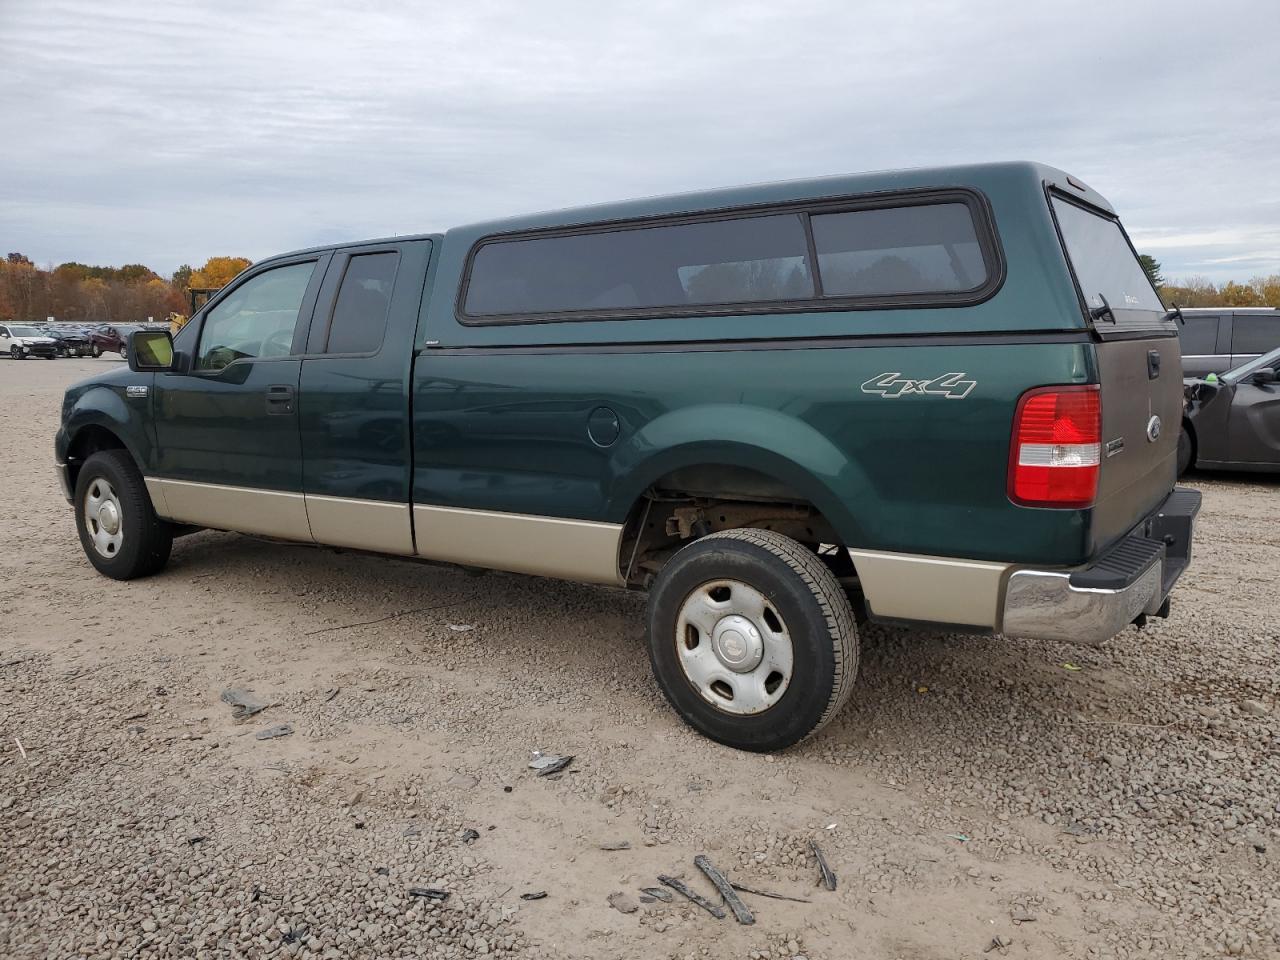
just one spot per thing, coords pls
(1199, 335)
(360, 313)
(257, 319)
(1254, 334)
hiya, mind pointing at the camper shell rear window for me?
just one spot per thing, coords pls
(934, 248)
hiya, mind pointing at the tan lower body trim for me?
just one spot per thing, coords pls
(269, 513)
(547, 546)
(904, 586)
(360, 524)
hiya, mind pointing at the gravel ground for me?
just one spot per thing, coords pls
(1052, 800)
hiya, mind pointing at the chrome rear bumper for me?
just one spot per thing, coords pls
(1094, 604)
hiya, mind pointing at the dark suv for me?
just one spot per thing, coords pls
(1217, 339)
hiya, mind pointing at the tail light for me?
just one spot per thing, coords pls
(1056, 447)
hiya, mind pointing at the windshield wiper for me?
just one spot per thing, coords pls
(1097, 313)
(1174, 314)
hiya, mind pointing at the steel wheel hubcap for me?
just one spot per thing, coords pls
(734, 647)
(103, 518)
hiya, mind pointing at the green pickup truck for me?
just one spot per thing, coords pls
(937, 397)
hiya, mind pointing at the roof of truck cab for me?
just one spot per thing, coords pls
(782, 191)
(329, 247)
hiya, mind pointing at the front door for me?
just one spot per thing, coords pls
(1254, 431)
(229, 454)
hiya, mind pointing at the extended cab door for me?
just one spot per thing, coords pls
(229, 454)
(354, 412)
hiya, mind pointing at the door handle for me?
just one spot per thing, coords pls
(280, 400)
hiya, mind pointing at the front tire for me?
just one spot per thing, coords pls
(119, 530)
(15, 353)
(752, 639)
(96, 351)
(1186, 451)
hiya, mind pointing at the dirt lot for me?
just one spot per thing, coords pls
(1076, 802)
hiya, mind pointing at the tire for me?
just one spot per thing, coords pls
(760, 588)
(1186, 451)
(15, 353)
(96, 351)
(140, 542)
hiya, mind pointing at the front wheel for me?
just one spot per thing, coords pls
(119, 530)
(96, 351)
(1185, 452)
(752, 639)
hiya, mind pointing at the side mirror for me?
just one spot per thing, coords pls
(1264, 375)
(150, 350)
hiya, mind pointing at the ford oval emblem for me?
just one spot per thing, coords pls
(1153, 429)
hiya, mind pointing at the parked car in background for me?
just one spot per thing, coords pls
(20, 341)
(1216, 339)
(111, 338)
(924, 396)
(71, 341)
(1232, 421)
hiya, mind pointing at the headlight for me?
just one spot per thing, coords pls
(25, 348)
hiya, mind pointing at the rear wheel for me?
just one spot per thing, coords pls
(752, 639)
(119, 530)
(1186, 451)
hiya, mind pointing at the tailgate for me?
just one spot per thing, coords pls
(1141, 392)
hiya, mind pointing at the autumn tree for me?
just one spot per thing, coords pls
(218, 271)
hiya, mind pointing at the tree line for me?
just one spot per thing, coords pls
(1199, 292)
(79, 293)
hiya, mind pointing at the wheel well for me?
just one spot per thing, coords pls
(691, 502)
(1190, 431)
(88, 441)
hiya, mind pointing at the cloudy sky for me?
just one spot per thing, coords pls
(165, 133)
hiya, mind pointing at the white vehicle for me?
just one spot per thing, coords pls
(20, 342)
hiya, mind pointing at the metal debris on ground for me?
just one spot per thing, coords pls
(766, 893)
(623, 902)
(616, 845)
(681, 888)
(534, 895)
(429, 893)
(825, 874)
(740, 911)
(243, 705)
(279, 730)
(197, 838)
(657, 893)
(549, 763)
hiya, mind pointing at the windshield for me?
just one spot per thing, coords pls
(1106, 267)
(25, 332)
(1271, 359)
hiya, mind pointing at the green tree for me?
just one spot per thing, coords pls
(1151, 266)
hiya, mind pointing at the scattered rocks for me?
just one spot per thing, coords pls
(622, 902)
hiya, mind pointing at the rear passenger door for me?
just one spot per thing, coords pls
(354, 397)
(1201, 353)
(1252, 335)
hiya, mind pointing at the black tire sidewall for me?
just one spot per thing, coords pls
(147, 540)
(1184, 452)
(809, 691)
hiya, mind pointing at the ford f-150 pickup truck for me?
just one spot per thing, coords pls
(942, 397)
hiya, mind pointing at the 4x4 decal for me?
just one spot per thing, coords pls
(953, 386)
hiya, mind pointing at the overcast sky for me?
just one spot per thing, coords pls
(171, 132)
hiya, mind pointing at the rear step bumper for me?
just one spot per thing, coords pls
(1131, 580)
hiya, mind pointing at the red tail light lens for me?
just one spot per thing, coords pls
(1057, 447)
